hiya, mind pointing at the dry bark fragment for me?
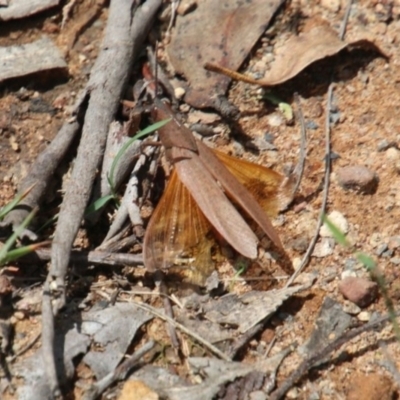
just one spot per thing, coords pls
(22, 8)
(41, 55)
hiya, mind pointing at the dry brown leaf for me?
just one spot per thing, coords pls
(298, 53)
(218, 32)
(301, 51)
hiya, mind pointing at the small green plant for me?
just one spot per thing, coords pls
(240, 266)
(7, 253)
(284, 108)
(103, 201)
(144, 132)
(371, 266)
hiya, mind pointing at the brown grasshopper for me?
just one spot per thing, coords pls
(202, 198)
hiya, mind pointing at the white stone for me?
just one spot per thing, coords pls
(364, 316)
(338, 219)
(351, 308)
(392, 154)
(296, 263)
(204, 117)
(179, 92)
(324, 248)
(348, 273)
(275, 120)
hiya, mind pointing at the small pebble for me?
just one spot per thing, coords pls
(296, 263)
(392, 154)
(335, 117)
(179, 92)
(203, 117)
(19, 315)
(238, 149)
(269, 137)
(257, 395)
(314, 395)
(350, 263)
(311, 125)
(360, 291)
(334, 156)
(357, 177)
(185, 108)
(186, 7)
(293, 393)
(395, 260)
(324, 248)
(394, 242)
(364, 316)
(351, 308)
(14, 144)
(381, 249)
(384, 145)
(376, 239)
(387, 254)
(348, 273)
(275, 120)
(338, 219)
(260, 144)
(300, 244)
(202, 129)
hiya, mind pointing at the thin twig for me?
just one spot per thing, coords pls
(311, 246)
(161, 76)
(174, 7)
(299, 170)
(181, 327)
(244, 339)
(48, 341)
(119, 373)
(345, 20)
(113, 244)
(307, 364)
(88, 257)
(25, 348)
(159, 278)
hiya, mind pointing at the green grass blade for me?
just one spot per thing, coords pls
(22, 251)
(374, 271)
(98, 204)
(12, 239)
(123, 149)
(8, 207)
(284, 108)
(338, 235)
(366, 260)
